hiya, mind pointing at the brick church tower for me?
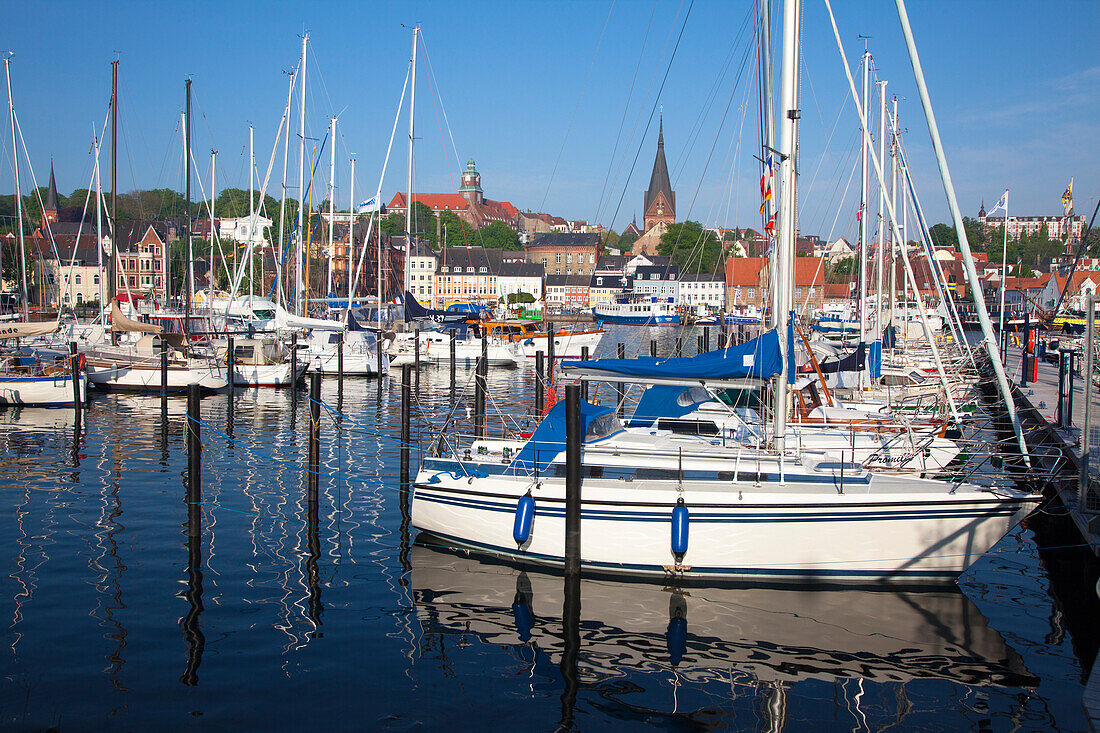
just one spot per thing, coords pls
(660, 199)
(471, 184)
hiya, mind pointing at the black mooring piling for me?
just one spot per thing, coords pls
(653, 348)
(574, 436)
(620, 388)
(74, 372)
(481, 374)
(194, 445)
(314, 433)
(584, 385)
(406, 404)
(230, 362)
(539, 386)
(164, 372)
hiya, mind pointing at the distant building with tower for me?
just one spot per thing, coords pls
(659, 204)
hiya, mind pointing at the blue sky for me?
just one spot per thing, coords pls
(537, 93)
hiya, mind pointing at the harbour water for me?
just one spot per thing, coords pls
(113, 620)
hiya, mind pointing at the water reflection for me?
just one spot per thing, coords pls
(652, 638)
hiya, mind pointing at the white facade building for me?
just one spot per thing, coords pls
(520, 277)
(240, 230)
(704, 289)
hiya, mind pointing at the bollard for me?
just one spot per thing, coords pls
(539, 376)
(481, 372)
(574, 436)
(406, 399)
(314, 433)
(164, 372)
(653, 348)
(620, 390)
(340, 360)
(231, 362)
(584, 384)
(194, 445)
(74, 372)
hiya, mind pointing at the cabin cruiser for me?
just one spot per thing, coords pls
(261, 362)
(33, 377)
(529, 339)
(436, 345)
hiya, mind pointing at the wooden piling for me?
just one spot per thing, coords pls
(406, 403)
(574, 437)
(340, 360)
(679, 346)
(539, 378)
(314, 468)
(231, 363)
(194, 444)
(584, 385)
(480, 382)
(74, 372)
(653, 348)
(164, 372)
(453, 363)
(706, 338)
(620, 388)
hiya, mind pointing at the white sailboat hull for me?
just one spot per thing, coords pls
(44, 391)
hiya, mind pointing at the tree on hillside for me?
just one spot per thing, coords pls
(944, 236)
(498, 235)
(690, 246)
(423, 223)
(626, 241)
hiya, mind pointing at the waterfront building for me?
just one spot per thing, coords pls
(660, 281)
(703, 289)
(520, 277)
(567, 292)
(467, 274)
(564, 253)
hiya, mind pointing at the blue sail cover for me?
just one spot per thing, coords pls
(667, 400)
(758, 358)
(549, 437)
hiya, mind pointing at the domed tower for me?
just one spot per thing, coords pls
(471, 184)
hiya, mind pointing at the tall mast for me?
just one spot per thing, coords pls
(98, 221)
(210, 272)
(301, 181)
(187, 204)
(788, 146)
(864, 142)
(351, 230)
(767, 136)
(409, 203)
(112, 273)
(18, 196)
(251, 210)
(282, 199)
(964, 245)
(331, 201)
(894, 245)
(880, 253)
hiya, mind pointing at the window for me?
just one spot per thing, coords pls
(50, 279)
(752, 292)
(569, 258)
(557, 258)
(77, 279)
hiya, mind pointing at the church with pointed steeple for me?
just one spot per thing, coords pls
(660, 200)
(51, 207)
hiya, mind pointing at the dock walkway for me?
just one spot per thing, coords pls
(1040, 400)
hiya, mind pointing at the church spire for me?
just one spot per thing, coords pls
(660, 200)
(51, 207)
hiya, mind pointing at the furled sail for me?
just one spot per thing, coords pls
(120, 322)
(23, 329)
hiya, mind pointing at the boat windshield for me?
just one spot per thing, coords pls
(603, 426)
(263, 315)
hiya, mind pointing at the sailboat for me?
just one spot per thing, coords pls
(656, 503)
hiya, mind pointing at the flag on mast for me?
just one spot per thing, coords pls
(374, 203)
(1067, 199)
(1002, 205)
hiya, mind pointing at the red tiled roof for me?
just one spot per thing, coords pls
(744, 271)
(808, 272)
(434, 201)
(838, 290)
